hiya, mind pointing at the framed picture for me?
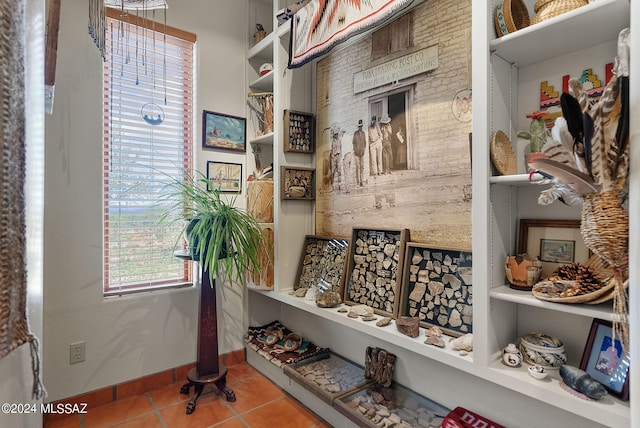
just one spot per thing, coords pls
(605, 361)
(374, 274)
(437, 288)
(226, 177)
(554, 242)
(223, 131)
(298, 132)
(322, 263)
(298, 183)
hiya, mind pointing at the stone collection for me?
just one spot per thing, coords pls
(332, 375)
(439, 288)
(409, 326)
(385, 408)
(323, 263)
(328, 299)
(374, 271)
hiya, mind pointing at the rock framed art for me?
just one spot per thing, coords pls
(298, 132)
(322, 263)
(437, 288)
(374, 275)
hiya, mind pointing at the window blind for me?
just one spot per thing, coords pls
(147, 139)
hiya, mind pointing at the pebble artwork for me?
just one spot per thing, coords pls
(323, 263)
(374, 272)
(439, 288)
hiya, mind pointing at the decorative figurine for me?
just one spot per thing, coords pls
(511, 356)
(260, 33)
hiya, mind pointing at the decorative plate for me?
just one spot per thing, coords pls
(502, 154)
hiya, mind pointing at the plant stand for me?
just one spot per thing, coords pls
(208, 369)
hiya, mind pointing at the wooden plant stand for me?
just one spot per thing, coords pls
(208, 369)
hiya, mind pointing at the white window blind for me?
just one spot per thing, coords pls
(148, 130)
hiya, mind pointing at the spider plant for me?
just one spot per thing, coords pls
(225, 239)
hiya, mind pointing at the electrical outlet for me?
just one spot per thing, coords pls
(76, 352)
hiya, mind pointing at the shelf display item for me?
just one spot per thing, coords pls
(375, 406)
(327, 376)
(522, 272)
(510, 16)
(260, 200)
(437, 287)
(580, 381)
(328, 299)
(298, 132)
(297, 183)
(542, 349)
(547, 9)
(264, 279)
(375, 269)
(409, 326)
(511, 356)
(322, 264)
(538, 372)
(379, 365)
(275, 343)
(502, 155)
(463, 418)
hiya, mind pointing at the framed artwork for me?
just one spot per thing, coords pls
(605, 361)
(223, 131)
(226, 177)
(437, 288)
(322, 263)
(298, 132)
(554, 242)
(374, 275)
(298, 183)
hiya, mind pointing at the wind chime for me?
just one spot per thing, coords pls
(151, 112)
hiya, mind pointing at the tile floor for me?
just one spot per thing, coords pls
(259, 404)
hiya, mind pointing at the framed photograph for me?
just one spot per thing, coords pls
(226, 177)
(605, 361)
(223, 131)
(298, 183)
(323, 263)
(374, 274)
(554, 242)
(437, 288)
(298, 132)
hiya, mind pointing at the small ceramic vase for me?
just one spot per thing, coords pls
(511, 356)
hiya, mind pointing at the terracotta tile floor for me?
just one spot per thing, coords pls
(259, 403)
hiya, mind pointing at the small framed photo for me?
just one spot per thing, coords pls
(298, 183)
(605, 360)
(438, 288)
(223, 131)
(554, 242)
(322, 263)
(298, 132)
(226, 177)
(374, 273)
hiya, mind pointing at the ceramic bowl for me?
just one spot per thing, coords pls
(542, 349)
(538, 372)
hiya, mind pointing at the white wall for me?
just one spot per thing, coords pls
(132, 336)
(15, 368)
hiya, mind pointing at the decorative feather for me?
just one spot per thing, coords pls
(591, 147)
(573, 115)
(559, 192)
(554, 149)
(605, 116)
(618, 154)
(581, 183)
(577, 91)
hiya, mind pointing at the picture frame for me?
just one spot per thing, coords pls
(375, 257)
(298, 132)
(297, 183)
(226, 176)
(438, 288)
(553, 242)
(603, 359)
(323, 263)
(224, 132)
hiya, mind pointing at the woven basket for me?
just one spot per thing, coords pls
(547, 9)
(605, 228)
(502, 154)
(510, 16)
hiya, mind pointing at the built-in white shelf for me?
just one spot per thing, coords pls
(263, 139)
(263, 83)
(262, 49)
(603, 311)
(586, 26)
(516, 180)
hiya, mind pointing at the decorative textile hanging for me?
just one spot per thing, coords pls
(321, 24)
(14, 326)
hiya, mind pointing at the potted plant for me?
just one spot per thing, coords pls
(222, 237)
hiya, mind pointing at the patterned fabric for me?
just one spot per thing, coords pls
(321, 24)
(275, 353)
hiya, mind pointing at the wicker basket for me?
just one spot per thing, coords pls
(547, 9)
(605, 228)
(510, 16)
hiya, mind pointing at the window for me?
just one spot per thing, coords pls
(392, 38)
(148, 133)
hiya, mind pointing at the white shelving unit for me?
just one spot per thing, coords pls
(501, 314)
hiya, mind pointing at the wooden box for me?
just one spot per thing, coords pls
(322, 263)
(298, 132)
